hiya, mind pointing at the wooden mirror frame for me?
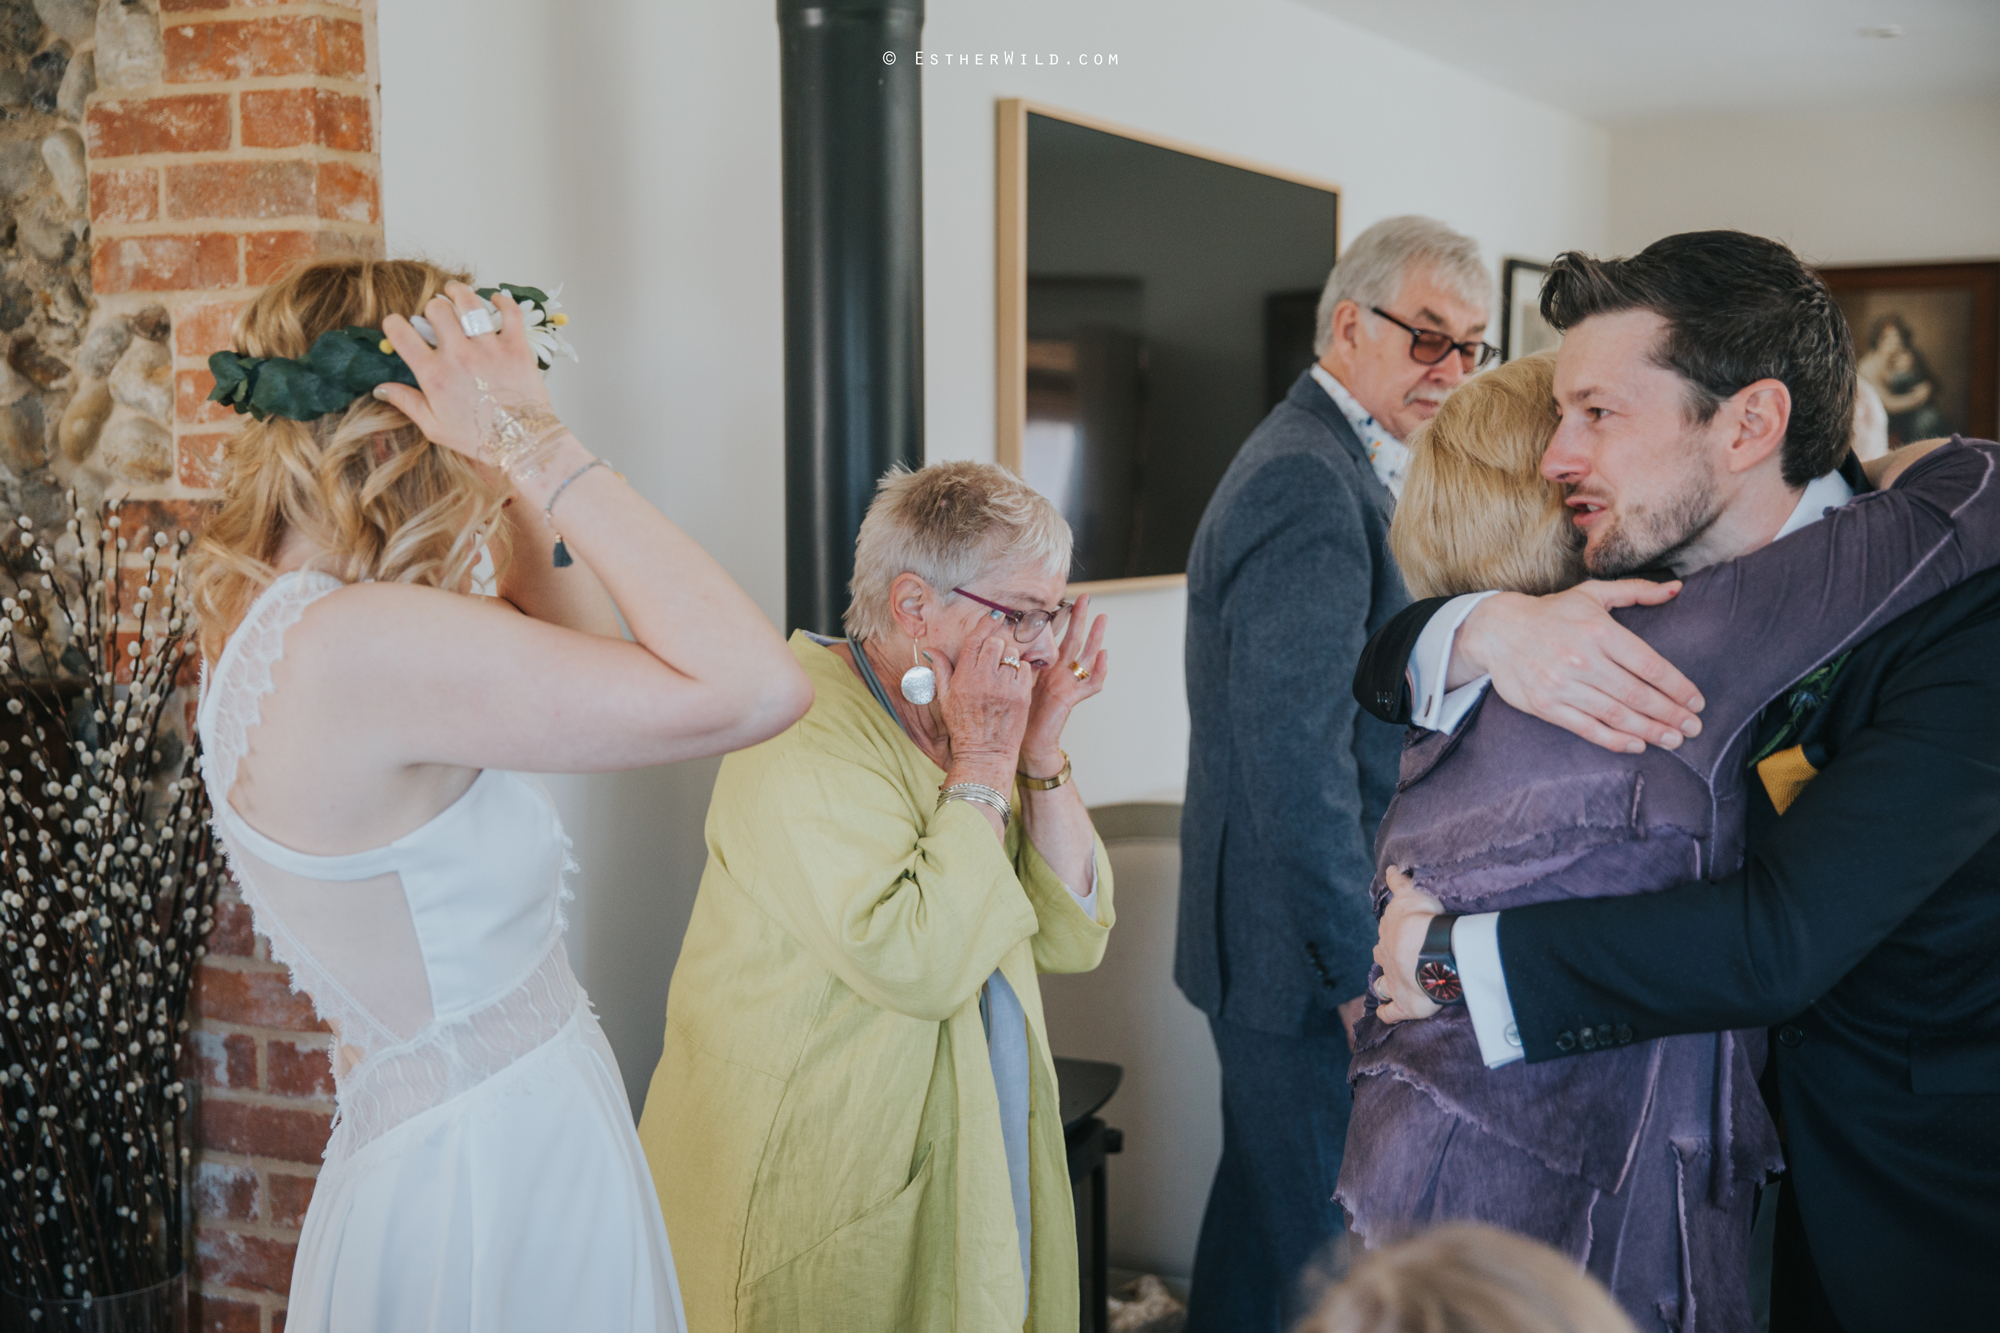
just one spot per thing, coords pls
(1010, 197)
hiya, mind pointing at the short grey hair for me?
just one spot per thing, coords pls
(1372, 270)
(948, 523)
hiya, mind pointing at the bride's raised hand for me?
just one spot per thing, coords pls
(465, 381)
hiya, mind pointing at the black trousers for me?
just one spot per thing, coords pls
(1798, 1301)
(1271, 1218)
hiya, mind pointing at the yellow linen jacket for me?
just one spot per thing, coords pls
(823, 1126)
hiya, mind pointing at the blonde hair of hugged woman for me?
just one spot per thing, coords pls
(363, 485)
(1476, 512)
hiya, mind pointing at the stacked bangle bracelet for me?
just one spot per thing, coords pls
(979, 794)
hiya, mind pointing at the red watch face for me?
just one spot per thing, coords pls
(1440, 982)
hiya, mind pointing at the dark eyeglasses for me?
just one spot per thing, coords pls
(1027, 625)
(1429, 346)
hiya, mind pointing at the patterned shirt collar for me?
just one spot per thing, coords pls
(1389, 456)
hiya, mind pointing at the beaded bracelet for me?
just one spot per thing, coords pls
(563, 559)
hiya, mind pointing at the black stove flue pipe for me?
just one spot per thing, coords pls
(854, 280)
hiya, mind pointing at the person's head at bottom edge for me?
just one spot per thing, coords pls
(1466, 1278)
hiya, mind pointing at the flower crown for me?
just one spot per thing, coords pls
(345, 364)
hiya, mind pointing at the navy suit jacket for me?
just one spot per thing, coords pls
(1868, 918)
(1289, 575)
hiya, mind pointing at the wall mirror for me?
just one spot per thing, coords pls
(1155, 301)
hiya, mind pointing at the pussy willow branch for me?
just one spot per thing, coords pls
(104, 902)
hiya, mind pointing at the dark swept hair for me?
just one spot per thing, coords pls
(1739, 308)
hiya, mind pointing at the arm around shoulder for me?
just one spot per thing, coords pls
(1907, 800)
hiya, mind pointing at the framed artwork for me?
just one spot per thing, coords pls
(1523, 331)
(1150, 295)
(1927, 339)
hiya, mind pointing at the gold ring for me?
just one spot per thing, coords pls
(1077, 669)
(1013, 662)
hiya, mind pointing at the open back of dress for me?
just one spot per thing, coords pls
(466, 1059)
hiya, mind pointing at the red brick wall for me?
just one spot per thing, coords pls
(245, 142)
(255, 148)
(266, 1105)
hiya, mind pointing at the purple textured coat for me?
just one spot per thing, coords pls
(1641, 1160)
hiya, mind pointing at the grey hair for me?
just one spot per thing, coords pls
(948, 523)
(1372, 270)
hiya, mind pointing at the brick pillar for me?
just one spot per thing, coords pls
(225, 144)
(226, 140)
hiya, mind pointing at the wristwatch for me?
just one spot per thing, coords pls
(1437, 966)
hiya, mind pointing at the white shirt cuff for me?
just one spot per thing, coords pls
(1432, 706)
(1087, 901)
(1475, 944)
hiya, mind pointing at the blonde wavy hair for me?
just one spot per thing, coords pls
(1476, 512)
(363, 485)
(1467, 1278)
(947, 523)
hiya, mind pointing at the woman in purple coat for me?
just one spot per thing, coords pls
(1641, 1163)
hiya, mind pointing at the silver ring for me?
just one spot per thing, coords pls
(478, 321)
(1375, 989)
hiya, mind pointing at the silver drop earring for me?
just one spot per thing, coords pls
(919, 682)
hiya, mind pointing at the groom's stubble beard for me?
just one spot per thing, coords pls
(1654, 536)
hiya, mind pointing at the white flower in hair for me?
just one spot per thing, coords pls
(540, 311)
(545, 322)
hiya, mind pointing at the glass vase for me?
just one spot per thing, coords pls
(160, 1308)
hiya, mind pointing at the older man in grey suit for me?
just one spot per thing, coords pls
(1287, 779)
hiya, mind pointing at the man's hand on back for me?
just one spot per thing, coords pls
(1399, 939)
(1564, 659)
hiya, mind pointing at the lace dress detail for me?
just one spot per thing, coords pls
(231, 706)
(452, 1057)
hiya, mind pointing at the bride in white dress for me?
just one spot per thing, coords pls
(367, 727)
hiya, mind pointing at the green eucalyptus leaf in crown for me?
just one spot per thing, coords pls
(344, 364)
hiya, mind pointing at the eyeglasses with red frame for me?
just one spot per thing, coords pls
(1027, 625)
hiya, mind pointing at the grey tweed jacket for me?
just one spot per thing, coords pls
(1287, 778)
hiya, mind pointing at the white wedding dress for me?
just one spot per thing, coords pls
(483, 1171)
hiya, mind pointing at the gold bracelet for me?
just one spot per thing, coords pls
(1047, 784)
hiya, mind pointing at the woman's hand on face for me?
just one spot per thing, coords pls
(462, 379)
(1058, 689)
(983, 700)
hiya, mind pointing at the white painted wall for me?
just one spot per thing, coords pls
(1268, 80)
(630, 150)
(1874, 184)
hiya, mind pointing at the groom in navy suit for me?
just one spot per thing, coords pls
(1289, 574)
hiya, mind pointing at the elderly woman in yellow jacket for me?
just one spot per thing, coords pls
(854, 1123)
